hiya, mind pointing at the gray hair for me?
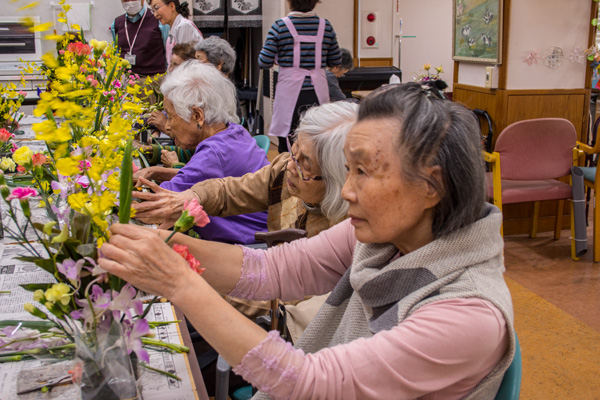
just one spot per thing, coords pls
(435, 132)
(218, 51)
(327, 126)
(201, 85)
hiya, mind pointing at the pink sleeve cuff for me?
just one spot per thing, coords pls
(254, 283)
(273, 366)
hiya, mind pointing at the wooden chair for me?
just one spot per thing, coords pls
(529, 158)
(591, 179)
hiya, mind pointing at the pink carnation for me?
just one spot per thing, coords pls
(195, 210)
(183, 251)
(22, 193)
(5, 135)
(38, 159)
(79, 49)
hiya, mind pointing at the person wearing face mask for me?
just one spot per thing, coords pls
(141, 38)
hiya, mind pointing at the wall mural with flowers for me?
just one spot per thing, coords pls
(83, 182)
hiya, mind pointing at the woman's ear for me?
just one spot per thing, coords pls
(435, 186)
(198, 115)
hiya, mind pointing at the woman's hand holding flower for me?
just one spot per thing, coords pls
(140, 256)
(161, 207)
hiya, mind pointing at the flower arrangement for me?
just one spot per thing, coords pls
(11, 100)
(84, 184)
(428, 74)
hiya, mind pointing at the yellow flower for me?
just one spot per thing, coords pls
(439, 69)
(38, 295)
(7, 164)
(427, 67)
(99, 45)
(67, 166)
(22, 155)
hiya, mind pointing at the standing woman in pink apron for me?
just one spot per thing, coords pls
(302, 44)
(175, 14)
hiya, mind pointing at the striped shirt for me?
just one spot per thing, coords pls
(280, 44)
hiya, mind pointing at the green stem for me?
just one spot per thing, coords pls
(147, 310)
(160, 371)
(179, 348)
(154, 324)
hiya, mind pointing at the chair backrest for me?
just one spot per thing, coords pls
(536, 149)
(263, 142)
(511, 383)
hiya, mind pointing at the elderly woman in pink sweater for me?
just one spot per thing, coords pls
(419, 307)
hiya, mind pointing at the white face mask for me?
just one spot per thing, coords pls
(132, 7)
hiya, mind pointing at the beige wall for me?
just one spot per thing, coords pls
(102, 15)
(430, 21)
(537, 25)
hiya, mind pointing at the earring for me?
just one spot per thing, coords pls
(199, 126)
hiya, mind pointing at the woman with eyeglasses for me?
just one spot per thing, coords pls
(175, 14)
(419, 307)
(300, 189)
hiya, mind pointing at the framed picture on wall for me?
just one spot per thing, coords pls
(477, 31)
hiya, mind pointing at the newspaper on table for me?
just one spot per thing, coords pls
(155, 386)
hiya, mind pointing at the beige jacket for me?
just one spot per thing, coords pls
(265, 189)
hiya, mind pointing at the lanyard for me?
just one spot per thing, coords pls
(136, 33)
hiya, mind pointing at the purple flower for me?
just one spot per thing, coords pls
(133, 333)
(123, 302)
(70, 268)
(100, 303)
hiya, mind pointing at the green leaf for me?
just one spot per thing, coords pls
(41, 326)
(47, 264)
(32, 287)
(126, 185)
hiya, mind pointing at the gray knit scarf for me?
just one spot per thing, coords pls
(378, 292)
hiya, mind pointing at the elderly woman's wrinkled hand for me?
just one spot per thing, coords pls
(168, 158)
(158, 119)
(161, 206)
(141, 257)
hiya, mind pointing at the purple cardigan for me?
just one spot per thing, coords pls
(232, 152)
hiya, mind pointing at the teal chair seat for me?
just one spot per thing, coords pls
(511, 383)
(263, 142)
(589, 173)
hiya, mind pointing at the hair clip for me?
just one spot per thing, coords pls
(427, 90)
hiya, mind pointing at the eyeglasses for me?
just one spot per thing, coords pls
(155, 9)
(300, 174)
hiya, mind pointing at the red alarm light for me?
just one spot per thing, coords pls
(371, 17)
(370, 40)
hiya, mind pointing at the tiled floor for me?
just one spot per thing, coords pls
(557, 316)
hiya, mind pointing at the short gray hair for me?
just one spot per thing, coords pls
(218, 51)
(435, 132)
(327, 126)
(200, 85)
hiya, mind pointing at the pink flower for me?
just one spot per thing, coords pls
(38, 159)
(14, 147)
(84, 165)
(192, 215)
(194, 264)
(22, 193)
(21, 168)
(116, 83)
(83, 181)
(5, 135)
